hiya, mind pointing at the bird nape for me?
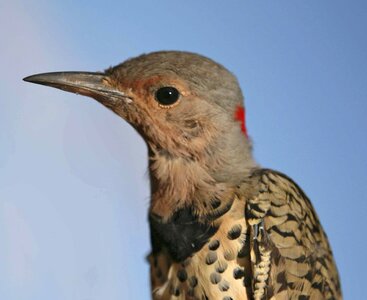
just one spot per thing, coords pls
(221, 226)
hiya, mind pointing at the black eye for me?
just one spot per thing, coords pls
(167, 95)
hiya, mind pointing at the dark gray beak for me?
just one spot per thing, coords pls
(90, 84)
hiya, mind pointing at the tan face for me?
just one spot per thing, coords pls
(166, 112)
(150, 96)
(175, 100)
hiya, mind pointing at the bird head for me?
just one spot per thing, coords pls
(188, 109)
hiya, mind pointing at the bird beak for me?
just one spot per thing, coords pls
(90, 84)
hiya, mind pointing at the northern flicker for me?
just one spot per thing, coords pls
(221, 226)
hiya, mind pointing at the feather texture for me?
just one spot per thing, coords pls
(268, 245)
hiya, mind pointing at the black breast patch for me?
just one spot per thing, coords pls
(182, 235)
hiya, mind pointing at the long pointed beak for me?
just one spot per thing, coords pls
(90, 84)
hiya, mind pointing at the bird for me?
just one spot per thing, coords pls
(221, 226)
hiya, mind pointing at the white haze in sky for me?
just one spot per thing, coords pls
(62, 184)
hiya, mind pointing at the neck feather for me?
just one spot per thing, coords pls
(178, 182)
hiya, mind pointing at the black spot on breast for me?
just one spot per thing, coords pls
(193, 281)
(224, 286)
(215, 278)
(211, 258)
(214, 245)
(219, 209)
(174, 290)
(181, 275)
(221, 266)
(235, 232)
(238, 273)
(228, 255)
(182, 234)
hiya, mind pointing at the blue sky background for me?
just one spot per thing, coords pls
(73, 181)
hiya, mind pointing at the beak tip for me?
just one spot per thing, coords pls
(32, 78)
(27, 79)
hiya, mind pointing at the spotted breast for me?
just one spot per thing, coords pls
(265, 243)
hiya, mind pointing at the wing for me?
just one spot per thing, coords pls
(290, 254)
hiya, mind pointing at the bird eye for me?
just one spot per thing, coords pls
(167, 96)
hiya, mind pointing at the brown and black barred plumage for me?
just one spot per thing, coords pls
(268, 244)
(221, 227)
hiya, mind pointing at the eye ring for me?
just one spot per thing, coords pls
(167, 96)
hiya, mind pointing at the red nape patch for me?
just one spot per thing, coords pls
(239, 115)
